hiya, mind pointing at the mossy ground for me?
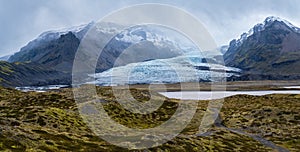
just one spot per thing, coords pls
(51, 122)
(274, 117)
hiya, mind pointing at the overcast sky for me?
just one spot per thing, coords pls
(23, 20)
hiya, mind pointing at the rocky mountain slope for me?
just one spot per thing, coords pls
(32, 50)
(4, 58)
(271, 50)
(30, 74)
(57, 54)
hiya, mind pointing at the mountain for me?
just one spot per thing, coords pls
(44, 39)
(56, 49)
(140, 43)
(30, 74)
(5, 58)
(270, 50)
(58, 54)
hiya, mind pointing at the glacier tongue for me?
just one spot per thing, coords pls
(173, 70)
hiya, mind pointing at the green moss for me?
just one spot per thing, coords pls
(272, 117)
(6, 68)
(50, 122)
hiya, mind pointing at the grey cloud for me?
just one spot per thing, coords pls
(23, 20)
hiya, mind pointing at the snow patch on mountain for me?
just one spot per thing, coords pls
(109, 28)
(272, 19)
(78, 31)
(160, 36)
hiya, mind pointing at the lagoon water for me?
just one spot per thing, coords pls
(292, 87)
(211, 95)
(40, 88)
(186, 95)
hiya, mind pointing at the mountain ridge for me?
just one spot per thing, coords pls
(271, 50)
(56, 49)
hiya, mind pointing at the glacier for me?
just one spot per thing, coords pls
(160, 71)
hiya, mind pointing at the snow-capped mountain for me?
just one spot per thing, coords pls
(30, 53)
(262, 26)
(57, 48)
(270, 50)
(48, 36)
(156, 38)
(149, 44)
